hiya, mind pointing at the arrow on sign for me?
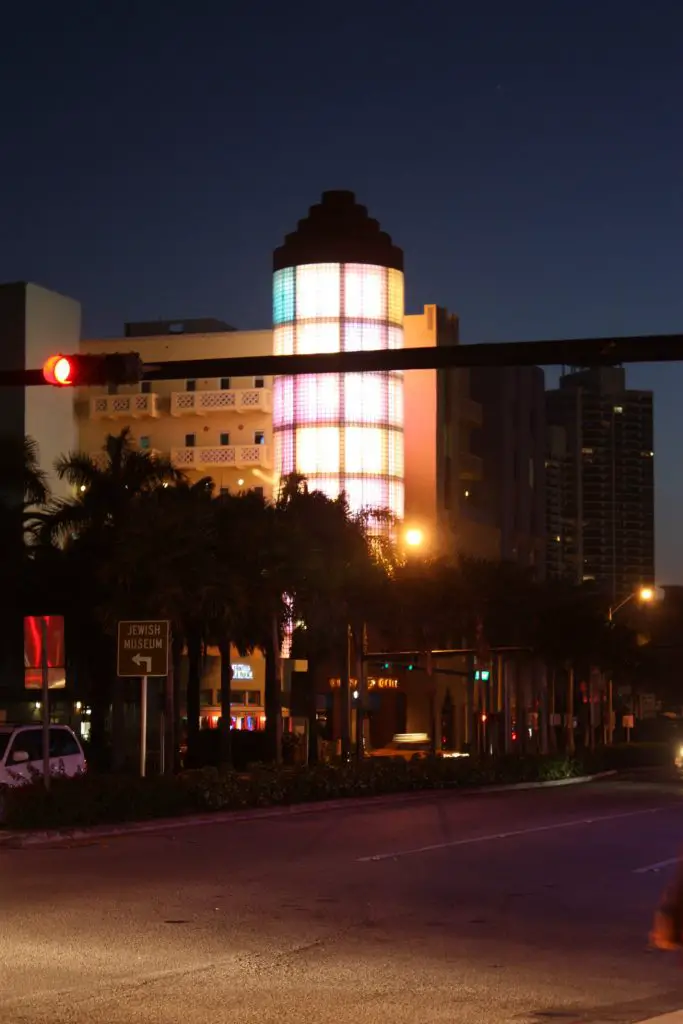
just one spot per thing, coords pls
(138, 659)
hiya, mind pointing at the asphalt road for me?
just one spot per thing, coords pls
(513, 907)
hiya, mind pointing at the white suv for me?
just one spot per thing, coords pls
(21, 752)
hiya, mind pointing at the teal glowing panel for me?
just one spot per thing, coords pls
(283, 296)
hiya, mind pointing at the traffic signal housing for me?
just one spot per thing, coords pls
(81, 370)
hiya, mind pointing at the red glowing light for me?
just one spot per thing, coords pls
(58, 370)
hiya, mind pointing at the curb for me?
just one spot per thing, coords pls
(21, 840)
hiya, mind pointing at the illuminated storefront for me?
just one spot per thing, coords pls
(338, 287)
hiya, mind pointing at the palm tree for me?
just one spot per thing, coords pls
(87, 527)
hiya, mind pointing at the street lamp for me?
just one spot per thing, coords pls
(645, 595)
(414, 537)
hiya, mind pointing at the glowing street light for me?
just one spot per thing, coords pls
(644, 595)
(414, 537)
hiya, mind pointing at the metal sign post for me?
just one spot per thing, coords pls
(142, 651)
(143, 726)
(45, 686)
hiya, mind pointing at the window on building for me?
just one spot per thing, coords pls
(259, 382)
(259, 437)
(252, 697)
(144, 442)
(225, 439)
(225, 383)
(190, 385)
(145, 387)
(190, 440)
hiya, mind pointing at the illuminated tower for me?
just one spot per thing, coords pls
(338, 287)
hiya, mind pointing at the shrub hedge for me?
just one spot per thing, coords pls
(92, 799)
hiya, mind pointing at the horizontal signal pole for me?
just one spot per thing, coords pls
(655, 348)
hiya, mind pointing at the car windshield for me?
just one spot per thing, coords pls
(4, 740)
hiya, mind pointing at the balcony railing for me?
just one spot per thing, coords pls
(114, 407)
(241, 456)
(202, 403)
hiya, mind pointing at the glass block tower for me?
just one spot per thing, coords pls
(338, 287)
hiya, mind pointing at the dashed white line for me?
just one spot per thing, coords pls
(470, 841)
(656, 867)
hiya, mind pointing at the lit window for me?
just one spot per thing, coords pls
(618, 408)
(586, 451)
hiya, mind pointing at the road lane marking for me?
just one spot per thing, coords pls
(656, 867)
(509, 835)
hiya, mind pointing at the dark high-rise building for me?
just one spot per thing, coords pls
(511, 445)
(600, 481)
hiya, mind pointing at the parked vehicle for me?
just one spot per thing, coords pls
(21, 752)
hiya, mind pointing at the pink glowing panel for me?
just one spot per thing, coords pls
(317, 399)
(365, 292)
(320, 336)
(283, 341)
(317, 291)
(283, 401)
(283, 443)
(365, 398)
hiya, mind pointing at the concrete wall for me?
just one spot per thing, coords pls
(53, 324)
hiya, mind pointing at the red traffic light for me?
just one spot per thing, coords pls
(58, 370)
(87, 369)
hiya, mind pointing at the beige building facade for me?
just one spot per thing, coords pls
(222, 427)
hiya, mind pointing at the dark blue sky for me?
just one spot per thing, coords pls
(527, 155)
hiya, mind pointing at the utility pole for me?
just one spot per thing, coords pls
(570, 711)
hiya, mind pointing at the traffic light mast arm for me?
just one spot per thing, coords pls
(570, 352)
(573, 352)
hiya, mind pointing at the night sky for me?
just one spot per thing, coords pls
(527, 156)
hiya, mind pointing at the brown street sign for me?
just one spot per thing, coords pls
(143, 648)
